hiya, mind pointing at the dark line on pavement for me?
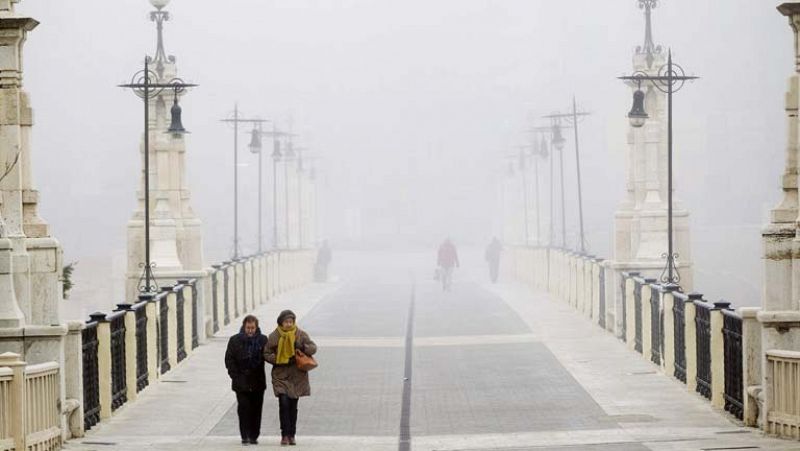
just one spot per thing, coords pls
(405, 411)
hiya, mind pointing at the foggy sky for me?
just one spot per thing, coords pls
(412, 105)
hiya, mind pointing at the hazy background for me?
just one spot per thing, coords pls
(412, 105)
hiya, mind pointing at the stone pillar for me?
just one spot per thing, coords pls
(175, 231)
(647, 325)
(131, 351)
(30, 259)
(751, 364)
(16, 422)
(73, 379)
(630, 313)
(780, 314)
(151, 310)
(640, 222)
(718, 355)
(103, 363)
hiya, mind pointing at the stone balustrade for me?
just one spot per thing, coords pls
(30, 405)
(113, 357)
(710, 347)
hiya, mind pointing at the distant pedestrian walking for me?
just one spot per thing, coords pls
(324, 257)
(245, 363)
(447, 260)
(493, 252)
(289, 383)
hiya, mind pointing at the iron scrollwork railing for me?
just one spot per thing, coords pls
(679, 315)
(91, 378)
(119, 390)
(140, 312)
(637, 306)
(703, 327)
(732, 336)
(180, 328)
(163, 332)
(656, 324)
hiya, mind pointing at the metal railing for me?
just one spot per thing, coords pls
(656, 324)
(136, 343)
(140, 312)
(91, 378)
(180, 325)
(732, 337)
(703, 346)
(195, 313)
(678, 318)
(163, 331)
(119, 389)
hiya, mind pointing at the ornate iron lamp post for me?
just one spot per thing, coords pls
(670, 79)
(145, 85)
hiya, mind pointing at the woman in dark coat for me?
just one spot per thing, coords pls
(288, 382)
(245, 365)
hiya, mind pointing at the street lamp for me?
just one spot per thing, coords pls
(145, 85)
(255, 148)
(236, 120)
(572, 118)
(538, 150)
(670, 79)
(557, 141)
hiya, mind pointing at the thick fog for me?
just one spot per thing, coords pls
(411, 108)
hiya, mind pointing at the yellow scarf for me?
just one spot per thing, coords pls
(285, 345)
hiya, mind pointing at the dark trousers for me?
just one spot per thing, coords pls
(250, 404)
(288, 414)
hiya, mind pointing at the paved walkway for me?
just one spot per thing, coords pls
(488, 368)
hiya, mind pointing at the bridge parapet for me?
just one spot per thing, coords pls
(121, 353)
(710, 347)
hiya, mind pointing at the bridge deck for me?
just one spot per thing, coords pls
(492, 368)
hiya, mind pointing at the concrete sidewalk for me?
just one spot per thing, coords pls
(180, 410)
(641, 409)
(653, 410)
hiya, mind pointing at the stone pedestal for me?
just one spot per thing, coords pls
(30, 259)
(641, 221)
(176, 243)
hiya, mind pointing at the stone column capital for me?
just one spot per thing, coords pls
(792, 11)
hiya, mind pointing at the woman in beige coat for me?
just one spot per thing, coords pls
(288, 382)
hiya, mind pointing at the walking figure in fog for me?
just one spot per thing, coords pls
(289, 383)
(492, 256)
(447, 261)
(245, 365)
(324, 257)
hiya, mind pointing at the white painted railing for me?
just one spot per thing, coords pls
(783, 393)
(6, 440)
(29, 405)
(42, 393)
